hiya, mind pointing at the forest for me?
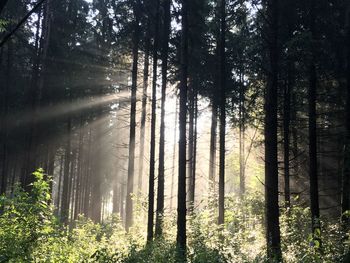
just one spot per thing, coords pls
(175, 131)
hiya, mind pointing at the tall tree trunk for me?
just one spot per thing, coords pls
(273, 237)
(213, 139)
(345, 200)
(165, 49)
(190, 195)
(59, 187)
(144, 105)
(97, 173)
(32, 104)
(242, 135)
(181, 194)
(174, 156)
(288, 89)
(222, 116)
(116, 196)
(42, 41)
(130, 182)
(313, 173)
(194, 154)
(66, 176)
(294, 134)
(87, 184)
(122, 200)
(72, 182)
(4, 113)
(286, 140)
(150, 222)
(78, 184)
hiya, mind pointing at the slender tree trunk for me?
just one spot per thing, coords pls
(14, 172)
(153, 127)
(194, 163)
(222, 116)
(66, 176)
(116, 196)
(32, 104)
(59, 187)
(97, 175)
(345, 200)
(294, 134)
(144, 105)
(122, 201)
(72, 182)
(174, 156)
(190, 195)
(271, 161)
(160, 192)
(287, 106)
(181, 195)
(242, 136)
(213, 135)
(4, 113)
(313, 173)
(79, 171)
(286, 141)
(87, 184)
(39, 70)
(130, 182)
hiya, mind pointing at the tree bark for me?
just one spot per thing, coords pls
(222, 116)
(288, 89)
(165, 51)
(78, 183)
(190, 195)
(213, 139)
(4, 114)
(194, 162)
(59, 187)
(144, 104)
(345, 199)
(242, 135)
(66, 176)
(150, 222)
(181, 195)
(87, 184)
(174, 156)
(286, 141)
(273, 237)
(130, 182)
(312, 94)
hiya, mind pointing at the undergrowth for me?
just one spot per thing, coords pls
(30, 232)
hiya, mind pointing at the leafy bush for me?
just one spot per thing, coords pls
(31, 233)
(26, 221)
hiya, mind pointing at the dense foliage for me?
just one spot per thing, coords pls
(30, 232)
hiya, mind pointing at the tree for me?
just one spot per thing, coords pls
(273, 238)
(153, 125)
(144, 101)
(222, 117)
(346, 170)
(312, 94)
(165, 48)
(289, 25)
(213, 136)
(135, 51)
(181, 193)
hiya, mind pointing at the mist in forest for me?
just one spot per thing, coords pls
(174, 131)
